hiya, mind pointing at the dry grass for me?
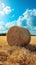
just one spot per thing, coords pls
(33, 40)
(3, 40)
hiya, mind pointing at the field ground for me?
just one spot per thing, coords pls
(3, 40)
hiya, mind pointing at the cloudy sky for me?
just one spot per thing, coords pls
(19, 13)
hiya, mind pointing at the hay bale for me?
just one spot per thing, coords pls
(18, 36)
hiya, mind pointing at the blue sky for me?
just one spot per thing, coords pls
(19, 13)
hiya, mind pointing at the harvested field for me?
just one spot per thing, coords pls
(3, 40)
(16, 55)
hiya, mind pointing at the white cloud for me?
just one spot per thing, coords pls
(33, 12)
(1, 13)
(5, 9)
(2, 5)
(2, 24)
(5, 26)
(10, 24)
(27, 17)
(30, 12)
(34, 28)
(19, 21)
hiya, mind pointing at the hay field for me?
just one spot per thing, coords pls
(3, 40)
(33, 40)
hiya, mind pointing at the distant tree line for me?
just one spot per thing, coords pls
(2, 34)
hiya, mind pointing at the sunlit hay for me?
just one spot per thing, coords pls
(23, 57)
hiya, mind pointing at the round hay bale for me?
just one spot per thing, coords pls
(18, 36)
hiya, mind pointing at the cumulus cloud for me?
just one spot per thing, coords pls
(27, 19)
(4, 27)
(2, 24)
(2, 5)
(5, 9)
(31, 19)
(10, 24)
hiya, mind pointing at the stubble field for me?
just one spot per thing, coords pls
(3, 40)
(27, 58)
